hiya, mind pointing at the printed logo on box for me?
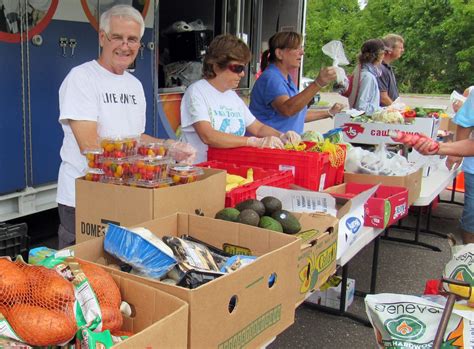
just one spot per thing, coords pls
(353, 224)
(316, 264)
(352, 130)
(405, 327)
(400, 210)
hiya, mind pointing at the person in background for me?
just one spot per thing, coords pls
(101, 99)
(370, 61)
(462, 148)
(275, 99)
(212, 114)
(386, 81)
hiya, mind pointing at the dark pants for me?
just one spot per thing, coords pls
(67, 226)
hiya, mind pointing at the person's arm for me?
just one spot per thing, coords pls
(385, 100)
(459, 148)
(288, 107)
(85, 133)
(367, 99)
(461, 133)
(313, 115)
(259, 129)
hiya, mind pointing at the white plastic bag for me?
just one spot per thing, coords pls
(335, 50)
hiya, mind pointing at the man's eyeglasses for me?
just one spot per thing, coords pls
(236, 68)
(132, 42)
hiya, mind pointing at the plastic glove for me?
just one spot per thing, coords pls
(336, 108)
(290, 137)
(181, 152)
(265, 142)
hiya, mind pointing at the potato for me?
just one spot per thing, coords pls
(48, 288)
(13, 283)
(111, 318)
(103, 284)
(40, 326)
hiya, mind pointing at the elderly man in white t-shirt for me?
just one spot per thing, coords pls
(91, 106)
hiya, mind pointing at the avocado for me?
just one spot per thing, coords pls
(228, 214)
(271, 204)
(252, 204)
(249, 217)
(270, 223)
(289, 222)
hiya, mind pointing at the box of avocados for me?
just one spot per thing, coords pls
(244, 308)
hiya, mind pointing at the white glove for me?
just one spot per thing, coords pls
(265, 142)
(181, 152)
(290, 137)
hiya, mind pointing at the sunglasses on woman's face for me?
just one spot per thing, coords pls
(236, 68)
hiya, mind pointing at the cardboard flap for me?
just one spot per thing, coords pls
(300, 200)
(357, 201)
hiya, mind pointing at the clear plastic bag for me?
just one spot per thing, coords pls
(335, 50)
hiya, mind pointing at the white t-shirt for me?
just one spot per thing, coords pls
(90, 92)
(226, 112)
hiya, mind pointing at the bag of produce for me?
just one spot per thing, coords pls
(461, 267)
(37, 304)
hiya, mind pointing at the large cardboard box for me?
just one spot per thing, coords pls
(159, 320)
(384, 208)
(377, 132)
(412, 182)
(263, 308)
(100, 203)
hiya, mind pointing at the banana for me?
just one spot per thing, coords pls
(230, 178)
(231, 186)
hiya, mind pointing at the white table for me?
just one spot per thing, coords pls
(431, 187)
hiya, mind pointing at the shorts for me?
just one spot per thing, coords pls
(467, 218)
(67, 226)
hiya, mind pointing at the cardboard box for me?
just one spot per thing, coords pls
(384, 208)
(350, 216)
(317, 258)
(262, 310)
(412, 182)
(100, 203)
(377, 132)
(331, 297)
(159, 320)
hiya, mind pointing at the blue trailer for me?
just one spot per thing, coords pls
(43, 40)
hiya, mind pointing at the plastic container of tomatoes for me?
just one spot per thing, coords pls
(93, 157)
(183, 174)
(153, 150)
(119, 147)
(116, 171)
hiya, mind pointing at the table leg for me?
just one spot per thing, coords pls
(417, 234)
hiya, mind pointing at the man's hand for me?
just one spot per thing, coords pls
(181, 152)
(453, 162)
(265, 142)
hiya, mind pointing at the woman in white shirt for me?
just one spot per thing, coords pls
(212, 114)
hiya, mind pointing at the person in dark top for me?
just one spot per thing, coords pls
(386, 81)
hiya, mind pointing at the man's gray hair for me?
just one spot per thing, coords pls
(390, 40)
(122, 11)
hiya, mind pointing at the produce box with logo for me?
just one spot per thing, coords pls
(98, 204)
(350, 216)
(244, 308)
(386, 206)
(377, 132)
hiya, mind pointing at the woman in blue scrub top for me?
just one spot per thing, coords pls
(275, 99)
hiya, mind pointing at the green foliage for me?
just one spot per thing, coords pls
(439, 38)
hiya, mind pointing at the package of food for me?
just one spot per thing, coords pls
(403, 321)
(144, 251)
(182, 174)
(94, 175)
(116, 171)
(119, 147)
(153, 150)
(150, 172)
(93, 157)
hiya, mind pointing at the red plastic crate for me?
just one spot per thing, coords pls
(335, 175)
(280, 179)
(311, 169)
